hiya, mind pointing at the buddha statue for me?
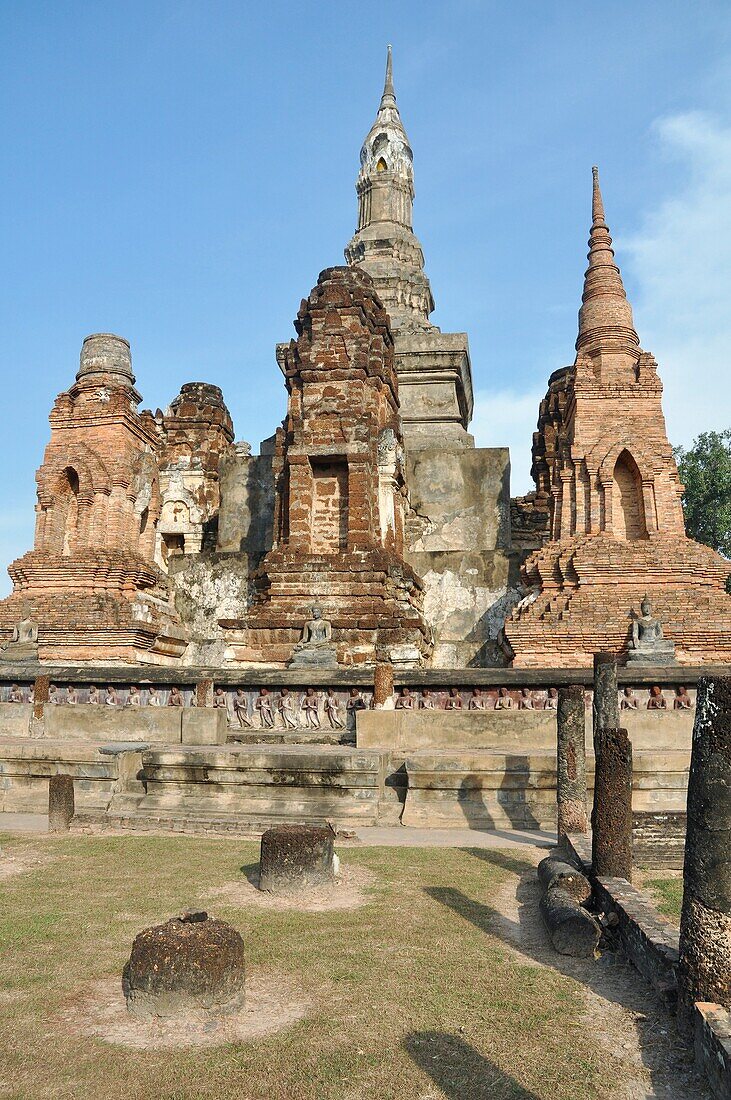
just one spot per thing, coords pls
(315, 649)
(647, 645)
(23, 644)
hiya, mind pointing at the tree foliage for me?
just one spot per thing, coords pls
(705, 470)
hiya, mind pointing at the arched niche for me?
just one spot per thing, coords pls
(628, 507)
(69, 507)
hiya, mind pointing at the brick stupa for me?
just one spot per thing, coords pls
(340, 492)
(604, 467)
(119, 491)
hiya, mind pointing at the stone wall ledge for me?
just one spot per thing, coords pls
(265, 676)
(712, 1027)
(649, 940)
(187, 823)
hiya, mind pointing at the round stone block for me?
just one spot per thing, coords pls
(190, 963)
(294, 857)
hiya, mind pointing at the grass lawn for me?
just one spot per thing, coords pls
(666, 892)
(411, 1000)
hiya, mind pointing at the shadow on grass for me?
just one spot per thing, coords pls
(250, 871)
(500, 858)
(460, 1071)
(611, 977)
(482, 916)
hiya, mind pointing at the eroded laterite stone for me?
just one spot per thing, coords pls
(294, 857)
(189, 963)
(704, 972)
(611, 819)
(571, 761)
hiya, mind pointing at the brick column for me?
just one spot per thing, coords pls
(648, 497)
(41, 694)
(582, 489)
(566, 479)
(382, 684)
(299, 500)
(595, 502)
(704, 972)
(83, 519)
(204, 693)
(611, 817)
(571, 760)
(607, 499)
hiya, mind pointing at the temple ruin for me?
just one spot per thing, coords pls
(354, 621)
(160, 540)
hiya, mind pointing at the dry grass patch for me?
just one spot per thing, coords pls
(666, 890)
(409, 999)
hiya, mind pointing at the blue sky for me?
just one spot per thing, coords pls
(179, 173)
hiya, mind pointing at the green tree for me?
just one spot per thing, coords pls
(705, 470)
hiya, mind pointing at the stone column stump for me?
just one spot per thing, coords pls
(704, 972)
(605, 708)
(571, 761)
(611, 818)
(295, 857)
(382, 684)
(190, 964)
(60, 803)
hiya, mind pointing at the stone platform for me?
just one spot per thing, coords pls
(485, 770)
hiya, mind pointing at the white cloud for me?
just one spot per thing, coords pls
(681, 261)
(508, 419)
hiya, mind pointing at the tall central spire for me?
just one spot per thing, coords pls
(433, 367)
(384, 243)
(388, 99)
(606, 327)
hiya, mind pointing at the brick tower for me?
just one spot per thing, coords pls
(602, 460)
(90, 582)
(340, 495)
(433, 367)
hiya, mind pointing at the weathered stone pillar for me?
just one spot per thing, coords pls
(605, 709)
(60, 803)
(705, 927)
(294, 857)
(611, 818)
(571, 761)
(382, 684)
(41, 694)
(204, 693)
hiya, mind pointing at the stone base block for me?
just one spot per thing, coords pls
(204, 726)
(294, 857)
(496, 730)
(509, 731)
(189, 964)
(15, 719)
(494, 790)
(265, 785)
(104, 723)
(480, 791)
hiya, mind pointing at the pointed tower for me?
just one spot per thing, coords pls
(434, 373)
(603, 462)
(606, 329)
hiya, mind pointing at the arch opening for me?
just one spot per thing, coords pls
(628, 507)
(70, 496)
